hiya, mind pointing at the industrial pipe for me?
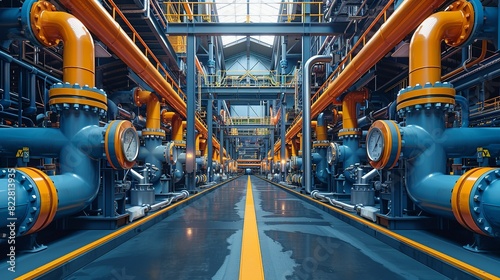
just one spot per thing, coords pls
(306, 118)
(323, 197)
(350, 113)
(50, 27)
(98, 20)
(40, 198)
(404, 20)
(426, 143)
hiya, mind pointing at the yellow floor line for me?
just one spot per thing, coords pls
(251, 259)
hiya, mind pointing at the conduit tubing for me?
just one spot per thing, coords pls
(404, 20)
(484, 49)
(306, 115)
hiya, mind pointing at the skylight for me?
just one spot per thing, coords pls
(238, 11)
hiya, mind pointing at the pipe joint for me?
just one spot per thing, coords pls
(418, 98)
(31, 202)
(458, 35)
(474, 201)
(75, 97)
(44, 36)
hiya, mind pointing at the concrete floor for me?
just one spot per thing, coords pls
(298, 241)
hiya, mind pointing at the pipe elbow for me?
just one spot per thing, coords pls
(75, 193)
(51, 27)
(454, 27)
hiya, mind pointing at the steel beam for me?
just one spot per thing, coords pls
(254, 28)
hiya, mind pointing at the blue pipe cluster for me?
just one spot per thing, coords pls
(78, 146)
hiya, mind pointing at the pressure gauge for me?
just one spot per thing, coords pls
(130, 144)
(121, 143)
(332, 153)
(383, 144)
(374, 144)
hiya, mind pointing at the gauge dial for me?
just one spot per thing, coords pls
(332, 153)
(383, 144)
(130, 144)
(121, 143)
(375, 144)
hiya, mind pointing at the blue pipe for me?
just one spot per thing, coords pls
(37, 139)
(7, 60)
(27, 121)
(31, 81)
(425, 166)
(6, 102)
(78, 145)
(464, 105)
(178, 172)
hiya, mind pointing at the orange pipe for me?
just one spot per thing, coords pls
(188, 10)
(152, 107)
(176, 124)
(50, 27)
(404, 20)
(349, 116)
(197, 143)
(100, 22)
(484, 48)
(203, 145)
(425, 45)
(321, 134)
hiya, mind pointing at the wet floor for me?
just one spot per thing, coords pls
(298, 241)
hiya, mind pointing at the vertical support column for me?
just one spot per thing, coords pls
(209, 137)
(284, 65)
(283, 140)
(221, 136)
(306, 54)
(190, 114)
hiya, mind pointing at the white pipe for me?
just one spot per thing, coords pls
(145, 9)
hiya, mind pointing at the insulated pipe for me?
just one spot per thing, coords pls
(306, 118)
(100, 22)
(403, 21)
(323, 197)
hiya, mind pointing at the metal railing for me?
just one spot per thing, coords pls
(136, 38)
(489, 105)
(176, 11)
(253, 78)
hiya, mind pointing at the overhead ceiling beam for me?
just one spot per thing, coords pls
(256, 28)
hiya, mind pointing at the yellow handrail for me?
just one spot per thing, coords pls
(189, 8)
